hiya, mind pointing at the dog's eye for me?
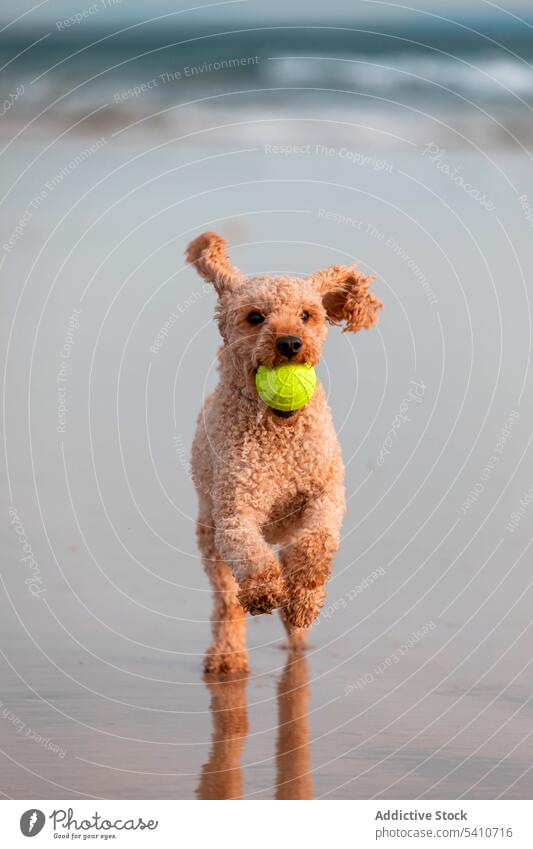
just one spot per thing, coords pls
(305, 316)
(255, 317)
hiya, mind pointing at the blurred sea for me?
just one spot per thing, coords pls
(439, 80)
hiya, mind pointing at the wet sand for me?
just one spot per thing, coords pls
(418, 678)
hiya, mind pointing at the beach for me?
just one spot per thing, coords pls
(417, 679)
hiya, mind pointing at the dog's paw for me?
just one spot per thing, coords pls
(307, 562)
(225, 661)
(262, 593)
(302, 608)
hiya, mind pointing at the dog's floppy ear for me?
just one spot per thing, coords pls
(346, 298)
(208, 255)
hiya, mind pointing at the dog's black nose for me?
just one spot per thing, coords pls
(288, 345)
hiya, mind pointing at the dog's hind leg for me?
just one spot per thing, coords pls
(227, 652)
(296, 637)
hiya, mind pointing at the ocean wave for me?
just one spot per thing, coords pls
(267, 85)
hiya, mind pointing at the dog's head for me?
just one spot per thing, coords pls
(273, 320)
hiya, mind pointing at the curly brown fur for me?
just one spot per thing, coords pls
(262, 479)
(208, 255)
(346, 297)
(227, 652)
(262, 593)
(296, 637)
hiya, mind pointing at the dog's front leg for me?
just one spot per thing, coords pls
(240, 542)
(306, 562)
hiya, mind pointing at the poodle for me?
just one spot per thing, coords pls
(265, 477)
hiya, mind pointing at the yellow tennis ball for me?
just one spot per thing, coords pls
(286, 387)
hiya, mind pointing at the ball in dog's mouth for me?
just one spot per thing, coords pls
(287, 387)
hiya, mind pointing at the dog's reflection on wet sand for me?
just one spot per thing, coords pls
(221, 776)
